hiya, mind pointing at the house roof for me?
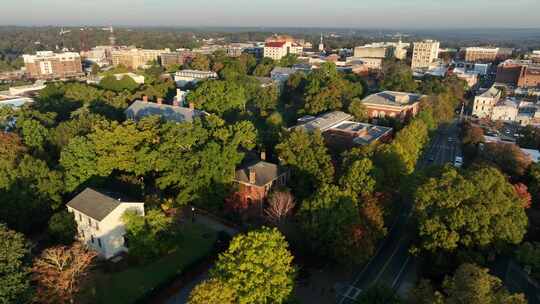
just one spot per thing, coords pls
(391, 98)
(283, 70)
(491, 92)
(140, 109)
(275, 44)
(265, 173)
(94, 204)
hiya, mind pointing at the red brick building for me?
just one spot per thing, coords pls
(519, 73)
(255, 182)
(49, 65)
(397, 105)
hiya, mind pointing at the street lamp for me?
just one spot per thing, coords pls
(192, 214)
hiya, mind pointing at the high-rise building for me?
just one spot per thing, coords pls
(487, 54)
(424, 54)
(50, 65)
(136, 58)
(176, 58)
(277, 47)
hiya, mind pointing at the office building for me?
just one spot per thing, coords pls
(49, 65)
(176, 58)
(486, 54)
(279, 46)
(519, 73)
(424, 54)
(136, 58)
(184, 77)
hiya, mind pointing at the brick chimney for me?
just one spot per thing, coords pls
(263, 155)
(145, 98)
(191, 106)
(252, 176)
(160, 100)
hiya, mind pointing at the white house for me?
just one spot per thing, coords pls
(99, 221)
(506, 110)
(484, 103)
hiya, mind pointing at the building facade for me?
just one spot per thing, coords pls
(277, 47)
(184, 77)
(99, 221)
(484, 103)
(519, 73)
(255, 181)
(388, 104)
(176, 58)
(424, 54)
(136, 58)
(48, 65)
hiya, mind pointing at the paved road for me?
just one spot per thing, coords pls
(392, 263)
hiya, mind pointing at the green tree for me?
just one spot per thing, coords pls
(397, 77)
(326, 90)
(258, 267)
(358, 110)
(14, 272)
(148, 236)
(212, 291)
(478, 209)
(288, 61)
(218, 96)
(62, 228)
(472, 284)
(202, 158)
(200, 62)
(113, 84)
(308, 157)
(34, 134)
(358, 178)
(378, 295)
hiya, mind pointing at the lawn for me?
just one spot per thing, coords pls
(130, 285)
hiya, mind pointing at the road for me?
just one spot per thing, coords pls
(392, 264)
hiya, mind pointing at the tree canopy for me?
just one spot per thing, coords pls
(257, 267)
(471, 210)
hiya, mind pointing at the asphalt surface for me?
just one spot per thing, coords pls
(392, 264)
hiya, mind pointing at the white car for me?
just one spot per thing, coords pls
(458, 162)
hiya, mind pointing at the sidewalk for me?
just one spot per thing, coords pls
(182, 295)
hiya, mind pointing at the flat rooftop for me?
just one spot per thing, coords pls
(364, 133)
(322, 122)
(391, 98)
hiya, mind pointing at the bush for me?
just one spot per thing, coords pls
(62, 228)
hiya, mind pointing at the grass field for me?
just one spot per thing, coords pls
(128, 286)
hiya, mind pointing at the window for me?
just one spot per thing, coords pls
(92, 238)
(99, 242)
(97, 226)
(80, 217)
(89, 222)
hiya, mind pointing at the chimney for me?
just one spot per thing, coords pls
(191, 106)
(145, 98)
(263, 155)
(160, 100)
(252, 176)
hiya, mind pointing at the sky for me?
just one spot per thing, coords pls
(396, 14)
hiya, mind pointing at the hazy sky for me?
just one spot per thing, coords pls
(309, 13)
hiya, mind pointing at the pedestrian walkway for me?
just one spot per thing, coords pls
(214, 224)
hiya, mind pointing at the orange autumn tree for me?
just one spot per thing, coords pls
(58, 271)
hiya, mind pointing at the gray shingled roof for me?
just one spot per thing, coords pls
(264, 173)
(94, 204)
(140, 109)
